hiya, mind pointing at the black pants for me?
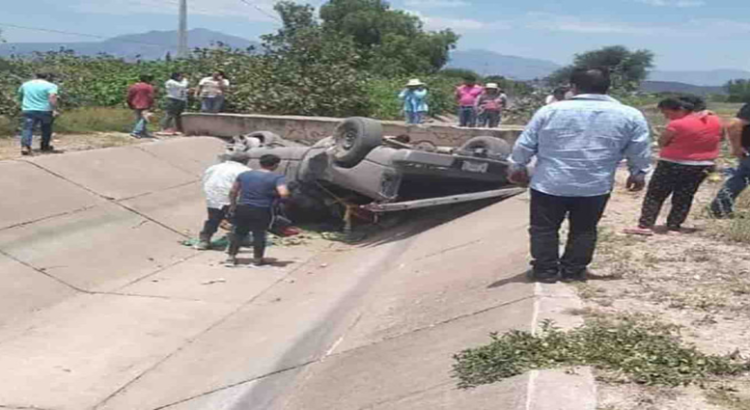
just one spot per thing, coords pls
(680, 181)
(250, 219)
(173, 115)
(547, 214)
(215, 216)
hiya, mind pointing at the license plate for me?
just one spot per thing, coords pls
(471, 166)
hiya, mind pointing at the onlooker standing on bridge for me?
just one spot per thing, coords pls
(252, 198)
(558, 94)
(177, 90)
(141, 100)
(414, 97)
(466, 97)
(490, 106)
(217, 183)
(689, 145)
(739, 141)
(211, 91)
(578, 144)
(38, 106)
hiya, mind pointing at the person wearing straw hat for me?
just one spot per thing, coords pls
(414, 97)
(489, 106)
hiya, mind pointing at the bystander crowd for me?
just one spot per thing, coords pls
(212, 91)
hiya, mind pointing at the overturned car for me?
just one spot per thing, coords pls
(358, 166)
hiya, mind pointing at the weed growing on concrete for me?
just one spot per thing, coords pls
(640, 350)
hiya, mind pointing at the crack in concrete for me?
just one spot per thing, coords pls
(326, 357)
(44, 272)
(12, 407)
(73, 212)
(193, 339)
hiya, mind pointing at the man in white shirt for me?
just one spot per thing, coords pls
(211, 91)
(217, 183)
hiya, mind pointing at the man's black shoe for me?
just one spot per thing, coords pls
(579, 276)
(544, 277)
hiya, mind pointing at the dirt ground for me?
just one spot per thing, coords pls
(699, 280)
(11, 149)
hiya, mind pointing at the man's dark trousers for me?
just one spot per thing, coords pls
(547, 214)
(215, 216)
(45, 119)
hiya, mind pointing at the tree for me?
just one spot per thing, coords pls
(391, 42)
(739, 90)
(627, 68)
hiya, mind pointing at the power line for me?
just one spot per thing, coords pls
(256, 7)
(47, 30)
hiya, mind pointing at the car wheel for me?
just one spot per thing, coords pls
(427, 146)
(355, 138)
(490, 147)
(267, 138)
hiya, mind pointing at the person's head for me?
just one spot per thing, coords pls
(697, 102)
(239, 157)
(491, 89)
(414, 84)
(146, 78)
(176, 76)
(470, 80)
(559, 93)
(43, 76)
(675, 108)
(590, 81)
(219, 75)
(269, 162)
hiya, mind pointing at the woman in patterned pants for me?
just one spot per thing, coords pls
(689, 146)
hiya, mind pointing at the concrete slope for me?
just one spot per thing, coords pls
(96, 220)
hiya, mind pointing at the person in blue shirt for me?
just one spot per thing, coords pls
(251, 200)
(38, 105)
(414, 97)
(578, 144)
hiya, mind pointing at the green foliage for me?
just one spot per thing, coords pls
(459, 74)
(739, 90)
(642, 351)
(391, 42)
(628, 68)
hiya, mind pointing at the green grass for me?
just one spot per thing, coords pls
(633, 348)
(83, 121)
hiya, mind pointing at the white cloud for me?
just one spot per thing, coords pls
(435, 4)
(573, 24)
(674, 3)
(262, 11)
(458, 24)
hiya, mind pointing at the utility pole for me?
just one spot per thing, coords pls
(182, 44)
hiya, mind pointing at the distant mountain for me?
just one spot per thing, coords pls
(703, 78)
(148, 46)
(490, 63)
(682, 88)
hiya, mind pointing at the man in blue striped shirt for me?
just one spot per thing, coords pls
(578, 144)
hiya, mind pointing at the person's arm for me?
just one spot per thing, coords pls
(666, 137)
(199, 89)
(526, 148)
(20, 94)
(638, 154)
(281, 188)
(131, 95)
(233, 195)
(734, 131)
(402, 94)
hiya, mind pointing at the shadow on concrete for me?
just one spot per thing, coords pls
(523, 277)
(271, 262)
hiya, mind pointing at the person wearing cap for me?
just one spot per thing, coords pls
(414, 97)
(490, 105)
(217, 183)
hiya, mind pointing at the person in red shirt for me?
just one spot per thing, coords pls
(689, 145)
(141, 100)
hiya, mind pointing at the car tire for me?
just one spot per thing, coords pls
(355, 138)
(496, 148)
(267, 138)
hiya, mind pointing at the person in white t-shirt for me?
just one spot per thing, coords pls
(211, 91)
(217, 183)
(177, 92)
(559, 94)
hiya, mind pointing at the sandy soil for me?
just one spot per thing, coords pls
(698, 280)
(10, 147)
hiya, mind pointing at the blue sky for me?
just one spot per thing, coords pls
(684, 34)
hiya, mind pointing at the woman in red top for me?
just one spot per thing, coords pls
(689, 146)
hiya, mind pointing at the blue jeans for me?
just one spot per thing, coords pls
(723, 204)
(141, 125)
(467, 117)
(212, 104)
(30, 120)
(413, 117)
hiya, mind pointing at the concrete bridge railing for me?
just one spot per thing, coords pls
(312, 129)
